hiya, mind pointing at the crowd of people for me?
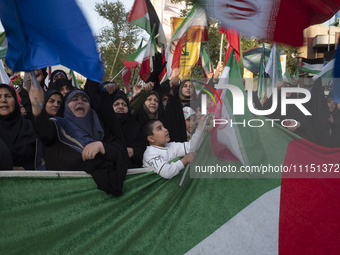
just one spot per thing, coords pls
(101, 130)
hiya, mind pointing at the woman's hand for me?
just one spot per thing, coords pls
(92, 149)
(36, 96)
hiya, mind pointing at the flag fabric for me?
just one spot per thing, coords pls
(57, 35)
(3, 45)
(147, 64)
(126, 75)
(135, 58)
(144, 16)
(287, 77)
(262, 81)
(273, 67)
(252, 57)
(193, 29)
(74, 79)
(267, 19)
(327, 73)
(233, 39)
(314, 66)
(205, 62)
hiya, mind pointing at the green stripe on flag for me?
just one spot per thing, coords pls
(153, 216)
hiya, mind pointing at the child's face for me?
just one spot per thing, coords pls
(190, 123)
(160, 135)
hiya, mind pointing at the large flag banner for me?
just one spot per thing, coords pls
(184, 47)
(46, 33)
(267, 19)
(3, 45)
(314, 66)
(144, 15)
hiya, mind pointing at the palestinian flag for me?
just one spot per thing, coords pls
(195, 25)
(205, 62)
(327, 72)
(311, 65)
(3, 45)
(144, 16)
(252, 57)
(267, 19)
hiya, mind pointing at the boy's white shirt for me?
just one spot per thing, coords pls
(157, 158)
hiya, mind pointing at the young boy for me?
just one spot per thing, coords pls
(164, 157)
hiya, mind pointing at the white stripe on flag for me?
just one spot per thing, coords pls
(254, 230)
(328, 67)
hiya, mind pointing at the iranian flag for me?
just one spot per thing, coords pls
(135, 58)
(144, 15)
(126, 75)
(193, 29)
(147, 64)
(314, 66)
(267, 19)
(205, 62)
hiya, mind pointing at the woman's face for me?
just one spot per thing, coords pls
(7, 102)
(53, 104)
(120, 106)
(331, 105)
(64, 90)
(152, 103)
(187, 89)
(79, 105)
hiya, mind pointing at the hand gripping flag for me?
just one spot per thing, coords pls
(46, 33)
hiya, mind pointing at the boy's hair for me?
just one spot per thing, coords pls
(147, 128)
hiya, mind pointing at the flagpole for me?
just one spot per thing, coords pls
(117, 74)
(120, 44)
(185, 173)
(221, 47)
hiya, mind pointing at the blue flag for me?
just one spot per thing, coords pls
(43, 33)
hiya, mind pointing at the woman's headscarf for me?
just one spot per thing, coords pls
(17, 133)
(185, 99)
(88, 125)
(147, 111)
(54, 73)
